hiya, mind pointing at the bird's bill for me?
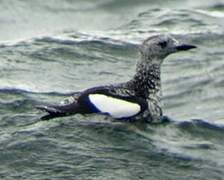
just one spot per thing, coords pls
(185, 47)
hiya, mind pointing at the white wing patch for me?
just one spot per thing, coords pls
(116, 108)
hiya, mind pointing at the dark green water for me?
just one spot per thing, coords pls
(49, 49)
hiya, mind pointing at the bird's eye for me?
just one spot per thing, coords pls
(162, 44)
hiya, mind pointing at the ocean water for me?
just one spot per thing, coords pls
(50, 49)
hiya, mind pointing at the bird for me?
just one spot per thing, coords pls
(135, 100)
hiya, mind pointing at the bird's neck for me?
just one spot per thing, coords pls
(146, 81)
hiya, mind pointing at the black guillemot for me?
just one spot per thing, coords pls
(135, 100)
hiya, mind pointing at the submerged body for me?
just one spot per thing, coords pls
(135, 100)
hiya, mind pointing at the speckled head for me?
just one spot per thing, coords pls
(156, 48)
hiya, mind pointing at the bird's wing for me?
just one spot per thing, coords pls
(66, 107)
(117, 102)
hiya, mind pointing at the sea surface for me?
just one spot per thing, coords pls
(50, 49)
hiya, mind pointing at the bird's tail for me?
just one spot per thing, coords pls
(54, 111)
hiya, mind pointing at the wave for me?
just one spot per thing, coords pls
(182, 124)
(178, 22)
(128, 35)
(24, 91)
(197, 124)
(72, 38)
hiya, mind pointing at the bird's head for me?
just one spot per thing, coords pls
(156, 48)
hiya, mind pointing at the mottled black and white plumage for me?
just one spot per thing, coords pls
(135, 100)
